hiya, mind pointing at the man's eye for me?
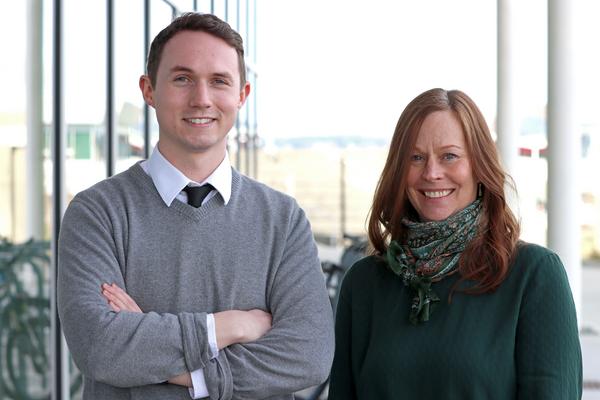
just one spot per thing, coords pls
(182, 79)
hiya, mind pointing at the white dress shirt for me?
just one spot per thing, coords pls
(169, 182)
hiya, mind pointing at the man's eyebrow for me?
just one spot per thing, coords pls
(226, 75)
(181, 68)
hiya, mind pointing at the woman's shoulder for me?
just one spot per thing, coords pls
(537, 261)
(532, 250)
(364, 271)
(363, 280)
(364, 267)
(533, 254)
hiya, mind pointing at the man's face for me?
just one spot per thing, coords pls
(197, 94)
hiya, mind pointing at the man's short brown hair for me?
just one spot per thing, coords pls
(201, 23)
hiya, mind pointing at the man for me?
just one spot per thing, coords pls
(222, 297)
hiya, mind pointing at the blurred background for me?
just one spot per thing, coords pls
(329, 81)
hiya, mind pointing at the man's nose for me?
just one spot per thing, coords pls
(201, 96)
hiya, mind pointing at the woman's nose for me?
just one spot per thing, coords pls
(433, 170)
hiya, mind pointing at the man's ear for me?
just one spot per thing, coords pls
(244, 94)
(147, 90)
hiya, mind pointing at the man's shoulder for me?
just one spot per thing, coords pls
(113, 188)
(251, 187)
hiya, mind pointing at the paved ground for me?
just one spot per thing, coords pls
(590, 342)
(591, 367)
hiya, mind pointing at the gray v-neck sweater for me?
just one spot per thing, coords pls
(179, 263)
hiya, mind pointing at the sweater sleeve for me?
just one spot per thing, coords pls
(297, 352)
(548, 353)
(122, 349)
(341, 386)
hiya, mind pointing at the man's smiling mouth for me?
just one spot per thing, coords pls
(200, 120)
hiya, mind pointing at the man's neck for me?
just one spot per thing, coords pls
(195, 166)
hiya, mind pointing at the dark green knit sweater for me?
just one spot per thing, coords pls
(520, 342)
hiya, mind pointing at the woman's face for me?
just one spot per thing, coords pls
(440, 178)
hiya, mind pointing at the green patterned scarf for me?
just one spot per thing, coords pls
(430, 253)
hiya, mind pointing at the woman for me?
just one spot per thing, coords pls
(451, 305)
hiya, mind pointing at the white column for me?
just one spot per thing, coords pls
(564, 145)
(507, 126)
(35, 173)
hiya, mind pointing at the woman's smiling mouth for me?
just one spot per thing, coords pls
(437, 193)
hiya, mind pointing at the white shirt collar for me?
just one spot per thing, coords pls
(169, 181)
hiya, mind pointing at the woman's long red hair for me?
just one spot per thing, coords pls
(487, 258)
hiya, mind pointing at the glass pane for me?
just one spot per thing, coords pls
(13, 122)
(24, 262)
(186, 5)
(204, 6)
(84, 94)
(161, 16)
(84, 100)
(129, 65)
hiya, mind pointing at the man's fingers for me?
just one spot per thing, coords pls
(119, 298)
(114, 300)
(114, 307)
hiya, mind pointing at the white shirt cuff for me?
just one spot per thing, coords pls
(212, 335)
(198, 389)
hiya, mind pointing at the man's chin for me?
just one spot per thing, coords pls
(205, 145)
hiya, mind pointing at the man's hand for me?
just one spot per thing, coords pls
(235, 326)
(118, 299)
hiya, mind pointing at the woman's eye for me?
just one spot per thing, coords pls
(449, 156)
(417, 157)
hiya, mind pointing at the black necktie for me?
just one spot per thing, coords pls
(196, 194)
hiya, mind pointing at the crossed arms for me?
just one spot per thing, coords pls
(231, 326)
(128, 349)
